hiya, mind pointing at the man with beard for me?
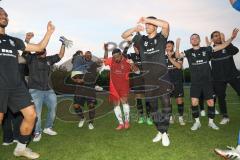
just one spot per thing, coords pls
(120, 68)
(40, 65)
(201, 78)
(174, 65)
(11, 123)
(13, 92)
(224, 72)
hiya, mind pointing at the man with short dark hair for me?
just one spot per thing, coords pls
(201, 78)
(175, 72)
(120, 68)
(152, 51)
(224, 72)
(39, 65)
(11, 123)
(13, 92)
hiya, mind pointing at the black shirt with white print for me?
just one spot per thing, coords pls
(151, 49)
(223, 66)
(175, 74)
(9, 70)
(199, 64)
(135, 58)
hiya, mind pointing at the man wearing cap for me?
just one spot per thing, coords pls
(85, 90)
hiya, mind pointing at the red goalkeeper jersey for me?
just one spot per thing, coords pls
(119, 79)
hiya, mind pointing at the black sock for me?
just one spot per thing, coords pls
(91, 113)
(201, 104)
(24, 139)
(148, 109)
(140, 106)
(195, 111)
(139, 102)
(211, 112)
(223, 106)
(79, 112)
(181, 109)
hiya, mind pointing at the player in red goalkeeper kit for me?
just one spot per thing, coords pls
(120, 67)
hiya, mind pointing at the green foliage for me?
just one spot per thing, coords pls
(103, 78)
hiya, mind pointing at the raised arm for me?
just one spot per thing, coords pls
(178, 41)
(208, 42)
(44, 42)
(133, 67)
(128, 34)
(228, 42)
(222, 37)
(105, 47)
(178, 53)
(125, 50)
(157, 22)
(62, 51)
(174, 62)
(29, 36)
(21, 58)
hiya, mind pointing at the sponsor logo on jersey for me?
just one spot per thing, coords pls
(12, 42)
(204, 53)
(224, 51)
(145, 43)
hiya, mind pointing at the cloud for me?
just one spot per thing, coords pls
(91, 23)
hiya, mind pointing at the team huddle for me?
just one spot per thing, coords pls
(154, 72)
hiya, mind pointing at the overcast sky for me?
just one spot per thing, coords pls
(90, 23)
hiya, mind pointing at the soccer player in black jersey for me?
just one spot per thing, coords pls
(175, 72)
(136, 84)
(11, 122)
(201, 78)
(152, 52)
(224, 72)
(13, 93)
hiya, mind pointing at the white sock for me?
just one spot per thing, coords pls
(210, 120)
(238, 148)
(126, 110)
(21, 146)
(118, 114)
(197, 120)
